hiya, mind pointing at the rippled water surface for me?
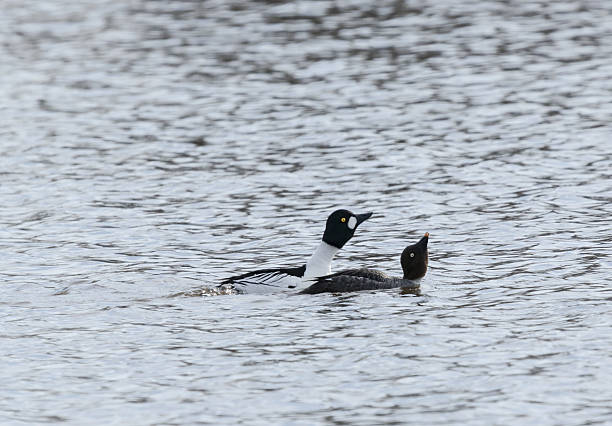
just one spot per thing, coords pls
(149, 148)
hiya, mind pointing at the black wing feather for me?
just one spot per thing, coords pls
(261, 276)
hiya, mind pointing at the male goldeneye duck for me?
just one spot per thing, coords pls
(339, 229)
(414, 262)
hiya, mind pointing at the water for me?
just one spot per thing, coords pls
(149, 148)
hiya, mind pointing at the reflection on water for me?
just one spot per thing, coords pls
(150, 148)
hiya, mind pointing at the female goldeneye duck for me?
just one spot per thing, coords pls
(339, 229)
(414, 260)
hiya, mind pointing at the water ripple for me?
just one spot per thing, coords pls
(151, 148)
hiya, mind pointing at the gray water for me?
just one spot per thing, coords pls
(150, 148)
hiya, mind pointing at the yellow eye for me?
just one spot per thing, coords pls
(343, 220)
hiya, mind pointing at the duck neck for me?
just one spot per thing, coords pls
(417, 273)
(319, 263)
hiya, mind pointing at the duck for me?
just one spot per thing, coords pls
(339, 229)
(414, 261)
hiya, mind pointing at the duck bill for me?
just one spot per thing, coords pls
(423, 241)
(362, 218)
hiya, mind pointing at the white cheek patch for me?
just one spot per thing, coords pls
(352, 223)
